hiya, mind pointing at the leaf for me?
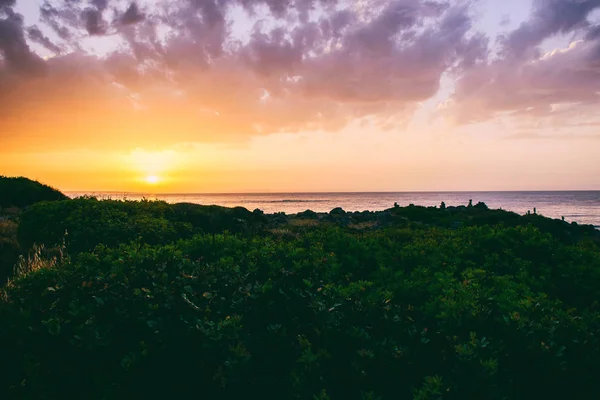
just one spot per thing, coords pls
(53, 326)
(99, 300)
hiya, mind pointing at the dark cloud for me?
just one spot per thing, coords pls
(278, 7)
(14, 48)
(94, 23)
(273, 53)
(593, 33)
(549, 17)
(7, 3)
(35, 34)
(59, 20)
(100, 4)
(132, 15)
(473, 50)
(212, 14)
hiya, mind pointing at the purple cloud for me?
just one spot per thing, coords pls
(100, 4)
(316, 65)
(132, 15)
(549, 17)
(523, 81)
(18, 57)
(94, 23)
(35, 34)
(6, 3)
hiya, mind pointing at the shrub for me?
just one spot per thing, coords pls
(22, 192)
(9, 249)
(308, 214)
(477, 312)
(90, 222)
(177, 301)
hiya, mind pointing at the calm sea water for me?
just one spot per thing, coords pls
(580, 206)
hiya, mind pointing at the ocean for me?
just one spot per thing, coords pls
(579, 206)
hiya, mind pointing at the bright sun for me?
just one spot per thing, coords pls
(152, 179)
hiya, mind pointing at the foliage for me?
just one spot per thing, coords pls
(22, 192)
(89, 222)
(496, 307)
(9, 248)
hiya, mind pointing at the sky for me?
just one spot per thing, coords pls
(172, 96)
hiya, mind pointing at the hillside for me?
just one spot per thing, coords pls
(22, 192)
(15, 194)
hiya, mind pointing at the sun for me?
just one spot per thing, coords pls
(152, 179)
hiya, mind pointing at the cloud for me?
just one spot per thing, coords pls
(132, 15)
(526, 82)
(61, 20)
(549, 17)
(18, 58)
(35, 35)
(94, 22)
(388, 60)
(179, 75)
(100, 4)
(7, 3)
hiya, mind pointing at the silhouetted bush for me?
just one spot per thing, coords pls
(308, 214)
(22, 192)
(9, 249)
(481, 206)
(337, 211)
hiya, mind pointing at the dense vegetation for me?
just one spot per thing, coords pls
(9, 247)
(22, 192)
(17, 193)
(150, 300)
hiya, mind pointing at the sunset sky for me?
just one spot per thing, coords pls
(171, 96)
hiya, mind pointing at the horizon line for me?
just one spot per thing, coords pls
(327, 192)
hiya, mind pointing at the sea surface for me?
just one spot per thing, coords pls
(579, 206)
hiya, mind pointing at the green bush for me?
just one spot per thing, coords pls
(89, 222)
(9, 249)
(22, 192)
(479, 312)
(158, 300)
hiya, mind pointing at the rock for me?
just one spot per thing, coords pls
(308, 214)
(337, 211)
